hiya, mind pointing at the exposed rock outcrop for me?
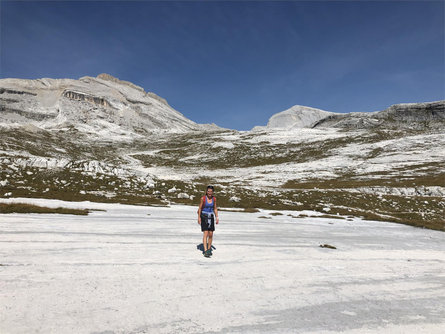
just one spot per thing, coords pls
(414, 112)
(428, 115)
(12, 92)
(78, 96)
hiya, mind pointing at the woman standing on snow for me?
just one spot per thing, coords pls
(207, 213)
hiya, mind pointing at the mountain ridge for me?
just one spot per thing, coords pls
(99, 106)
(402, 115)
(104, 103)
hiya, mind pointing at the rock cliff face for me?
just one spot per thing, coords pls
(415, 112)
(429, 115)
(417, 116)
(77, 96)
(101, 106)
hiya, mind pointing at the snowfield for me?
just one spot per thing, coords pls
(134, 269)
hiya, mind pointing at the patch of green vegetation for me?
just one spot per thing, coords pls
(251, 210)
(29, 208)
(328, 246)
(330, 216)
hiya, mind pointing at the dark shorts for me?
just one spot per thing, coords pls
(207, 223)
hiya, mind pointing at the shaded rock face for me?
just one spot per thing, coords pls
(404, 116)
(11, 109)
(415, 112)
(12, 92)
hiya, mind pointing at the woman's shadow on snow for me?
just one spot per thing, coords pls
(200, 247)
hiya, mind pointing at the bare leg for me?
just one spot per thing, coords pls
(204, 240)
(210, 240)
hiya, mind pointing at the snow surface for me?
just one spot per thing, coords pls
(133, 269)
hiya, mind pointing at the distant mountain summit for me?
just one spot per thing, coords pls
(295, 118)
(103, 105)
(427, 115)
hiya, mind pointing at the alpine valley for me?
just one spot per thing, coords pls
(106, 140)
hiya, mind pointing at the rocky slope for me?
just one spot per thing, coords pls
(385, 174)
(100, 106)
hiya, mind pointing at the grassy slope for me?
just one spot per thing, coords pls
(29, 208)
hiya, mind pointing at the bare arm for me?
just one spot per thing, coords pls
(215, 209)
(200, 210)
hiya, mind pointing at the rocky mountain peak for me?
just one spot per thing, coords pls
(295, 117)
(102, 106)
(108, 77)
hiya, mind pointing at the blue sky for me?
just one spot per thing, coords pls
(236, 63)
